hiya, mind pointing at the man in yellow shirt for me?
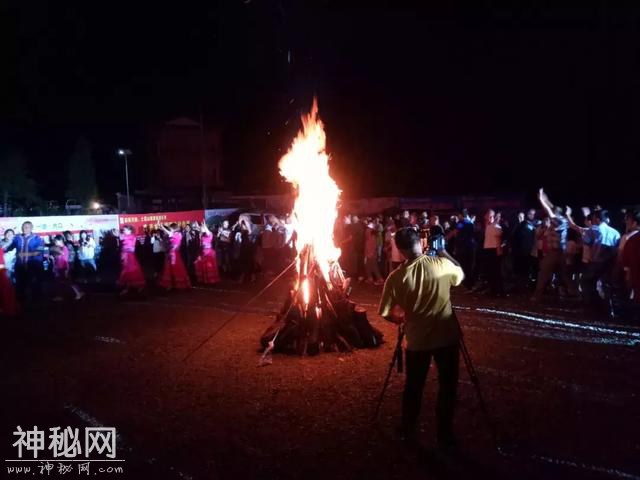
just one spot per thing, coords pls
(421, 288)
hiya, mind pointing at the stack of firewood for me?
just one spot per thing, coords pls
(318, 315)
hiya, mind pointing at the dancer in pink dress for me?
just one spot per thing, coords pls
(131, 275)
(174, 274)
(206, 264)
(61, 267)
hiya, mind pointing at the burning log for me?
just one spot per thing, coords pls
(317, 313)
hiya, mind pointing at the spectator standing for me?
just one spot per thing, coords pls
(379, 227)
(589, 238)
(393, 254)
(357, 230)
(279, 252)
(450, 233)
(87, 253)
(158, 251)
(249, 235)
(223, 245)
(268, 242)
(405, 221)
(423, 229)
(465, 247)
(109, 259)
(191, 248)
(572, 256)
(522, 244)
(492, 253)
(289, 238)
(236, 247)
(632, 228)
(630, 262)
(372, 271)
(555, 244)
(586, 234)
(29, 268)
(9, 256)
(604, 249)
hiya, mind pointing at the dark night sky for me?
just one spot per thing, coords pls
(416, 101)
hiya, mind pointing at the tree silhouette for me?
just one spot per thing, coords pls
(16, 185)
(81, 174)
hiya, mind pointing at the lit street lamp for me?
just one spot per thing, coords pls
(125, 152)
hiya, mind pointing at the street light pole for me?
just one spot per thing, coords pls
(126, 174)
(125, 153)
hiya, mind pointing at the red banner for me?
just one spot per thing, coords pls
(142, 221)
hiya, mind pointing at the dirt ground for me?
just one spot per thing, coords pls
(561, 385)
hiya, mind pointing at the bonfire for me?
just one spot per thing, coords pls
(317, 314)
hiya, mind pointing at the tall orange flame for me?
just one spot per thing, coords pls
(306, 166)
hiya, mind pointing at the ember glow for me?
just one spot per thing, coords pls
(306, 166)
(305, 291)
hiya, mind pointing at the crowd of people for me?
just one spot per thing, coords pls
(538, 252)
(541, 252)
(167, 257)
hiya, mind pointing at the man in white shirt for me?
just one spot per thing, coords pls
(604, 250)
(87, 252)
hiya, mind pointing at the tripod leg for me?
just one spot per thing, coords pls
(396, 359)
(473, 376)
(385, 386)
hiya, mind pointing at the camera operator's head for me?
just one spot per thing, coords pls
(408, 242)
